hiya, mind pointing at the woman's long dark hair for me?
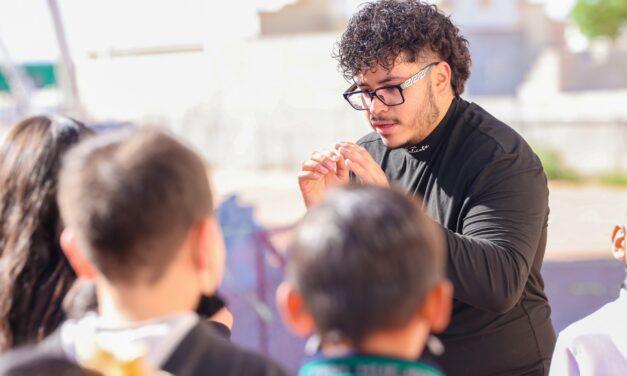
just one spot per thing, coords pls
(34, 273)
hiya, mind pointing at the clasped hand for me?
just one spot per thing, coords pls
(330, 168)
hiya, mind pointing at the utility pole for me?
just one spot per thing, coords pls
(20, 84)
(67, 79)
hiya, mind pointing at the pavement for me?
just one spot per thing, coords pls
(259, 208)
(580, 220)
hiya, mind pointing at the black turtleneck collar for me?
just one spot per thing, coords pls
(424, 148)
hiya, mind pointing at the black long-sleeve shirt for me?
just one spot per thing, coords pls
(482, 182)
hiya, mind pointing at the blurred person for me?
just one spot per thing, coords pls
(139, 221)
(597, 344)
(366, 272)
(480, 180)
(34, 274)
(46, 366)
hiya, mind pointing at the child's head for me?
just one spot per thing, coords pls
(366, 260)
(138, 208)
(34, 274)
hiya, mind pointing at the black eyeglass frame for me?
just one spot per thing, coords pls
(373, 93)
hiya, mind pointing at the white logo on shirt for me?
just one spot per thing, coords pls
(415, 149)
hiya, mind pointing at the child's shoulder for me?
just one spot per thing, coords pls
(204, 351)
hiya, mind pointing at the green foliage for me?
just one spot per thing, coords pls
(554, 167)
(616, 178)
(600, 18)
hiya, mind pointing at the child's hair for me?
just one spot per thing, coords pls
(131, 197)
(364, 260)
(34, 273)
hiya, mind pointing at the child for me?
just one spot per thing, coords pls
(597, 344)
(139, 222)
(35, 276)
(366, 273)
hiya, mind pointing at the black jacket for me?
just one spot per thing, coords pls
(201, 352)
(485, 186)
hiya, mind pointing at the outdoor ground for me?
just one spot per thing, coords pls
(580, 221)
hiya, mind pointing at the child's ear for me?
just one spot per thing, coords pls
(69, 245)
(619, 244)
(209, 253)
(293, 311)
(438, 306)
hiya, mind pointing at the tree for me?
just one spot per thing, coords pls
(600, 18)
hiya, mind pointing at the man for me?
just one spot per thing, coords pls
(597, 344)
(330, 265)
(139, 221)
(480, 180)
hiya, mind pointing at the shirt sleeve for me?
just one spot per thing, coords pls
(504, 216)
(563, 363)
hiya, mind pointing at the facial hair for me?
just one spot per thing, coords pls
(425, 119)
(427, 115)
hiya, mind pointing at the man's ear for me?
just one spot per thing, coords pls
(209, 253)
(293, 311)
(443, 75)
(69, 245)
(438, 305)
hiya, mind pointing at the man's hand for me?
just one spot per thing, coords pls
(361, 163)
(321, 171)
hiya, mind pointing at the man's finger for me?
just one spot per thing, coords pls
(324, 158)
(359, 171)
(354, 154)
(308, 175)
(310, 165)
(340, 144)
(363, 165)
(331, 160)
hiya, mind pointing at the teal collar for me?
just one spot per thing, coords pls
(366, 366)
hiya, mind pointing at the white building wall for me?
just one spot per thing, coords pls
(484, 14)
(270, 102)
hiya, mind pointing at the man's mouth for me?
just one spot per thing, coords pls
(384, 127)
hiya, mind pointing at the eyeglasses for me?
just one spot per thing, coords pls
(388, 95)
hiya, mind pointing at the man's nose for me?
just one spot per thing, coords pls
(377, 106)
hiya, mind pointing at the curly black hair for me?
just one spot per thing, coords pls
(381, 30)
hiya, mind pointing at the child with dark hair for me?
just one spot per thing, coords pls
(35, 276)
(366, 272)
(139, 220)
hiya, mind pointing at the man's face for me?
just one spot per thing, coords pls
(407, 123)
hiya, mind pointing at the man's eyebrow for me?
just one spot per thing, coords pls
(390, 78)
(383, 81)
